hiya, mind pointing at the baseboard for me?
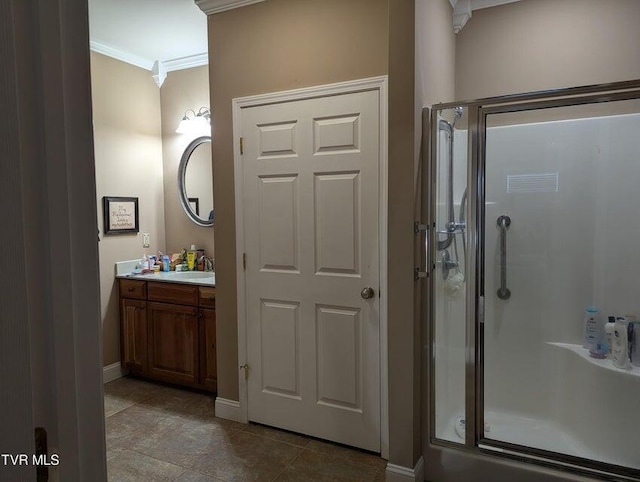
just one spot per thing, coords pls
(113, 372)
(228, 409)
(398, 473)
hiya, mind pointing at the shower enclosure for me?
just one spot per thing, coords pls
(531, 215)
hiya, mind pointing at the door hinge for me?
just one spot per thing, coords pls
(481, 309)
(245, 367)
(420, 228)
(244, 261)
(241, 145)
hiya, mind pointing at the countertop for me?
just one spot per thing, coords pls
(203, 278)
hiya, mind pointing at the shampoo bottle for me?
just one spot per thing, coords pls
(620, 349)
(191, 258)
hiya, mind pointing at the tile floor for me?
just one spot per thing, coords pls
(160, 433)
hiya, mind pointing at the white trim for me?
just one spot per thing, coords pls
(461, 14)
(211, 7)
(463, 10)
(121, 55)
(159, 73)
(180, 63)
(229, 410)
(398, 473)
(188, 62)
(113, 372)
(374, 83)
(383, 228)
(479, 4)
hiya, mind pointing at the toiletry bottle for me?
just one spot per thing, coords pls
(191, 258)
(166, 263)
(633, 334)
(592, 328)
(620, 349)
(608, 334)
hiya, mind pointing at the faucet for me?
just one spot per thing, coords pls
(208, 263)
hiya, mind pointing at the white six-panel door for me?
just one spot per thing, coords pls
(310, 210)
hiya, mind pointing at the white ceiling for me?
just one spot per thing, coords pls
(143, 31)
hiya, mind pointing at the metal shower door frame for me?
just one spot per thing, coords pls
(480, 458)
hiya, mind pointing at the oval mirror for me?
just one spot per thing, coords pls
(195, 181)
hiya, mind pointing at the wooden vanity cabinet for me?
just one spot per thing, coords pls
(133, 326)
(133, 315)
(208, 368)
(173, 343)
(170, 335)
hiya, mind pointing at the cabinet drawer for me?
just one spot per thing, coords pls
(207, 297)
(173, 293)
(130, 288)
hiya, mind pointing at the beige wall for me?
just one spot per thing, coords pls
(545, 44)
(435, 52)
(181, 90)
(128, 160)
(268, 47)
(404, 371)
(285, 44)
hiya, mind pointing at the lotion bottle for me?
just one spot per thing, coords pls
(592, 328)
(608, 334)
(620, 349)
(191, 258)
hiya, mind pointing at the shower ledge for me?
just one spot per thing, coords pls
(602, 363)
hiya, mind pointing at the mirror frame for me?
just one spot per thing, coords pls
(182, 174)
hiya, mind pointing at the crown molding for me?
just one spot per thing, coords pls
(187, 62)
(121, 55)
(211, 7)
(159, 73)
(478, 4)
(461, 14)
(463, 9)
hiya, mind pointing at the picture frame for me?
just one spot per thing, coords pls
(120, 215)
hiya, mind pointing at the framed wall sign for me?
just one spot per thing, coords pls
(120, 215)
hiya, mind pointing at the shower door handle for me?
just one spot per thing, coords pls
(418, 230)
(503, 224)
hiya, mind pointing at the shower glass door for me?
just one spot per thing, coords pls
(561, 233)
(533, 218)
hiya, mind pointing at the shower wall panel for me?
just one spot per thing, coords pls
(572, 191)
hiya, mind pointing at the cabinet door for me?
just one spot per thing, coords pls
(173, 343)
(133, 316)
(208, 367)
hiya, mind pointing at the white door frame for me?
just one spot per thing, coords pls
(379, 84)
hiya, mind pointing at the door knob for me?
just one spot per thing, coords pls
(367, 293)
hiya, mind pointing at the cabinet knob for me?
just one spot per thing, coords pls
(131, 290)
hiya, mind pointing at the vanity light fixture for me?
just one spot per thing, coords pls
(195, 123)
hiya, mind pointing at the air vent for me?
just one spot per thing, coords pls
(519, 183)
